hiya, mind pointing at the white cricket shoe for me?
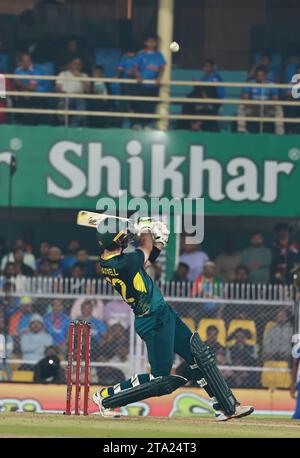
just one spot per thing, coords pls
(108, 413)
(240, 411)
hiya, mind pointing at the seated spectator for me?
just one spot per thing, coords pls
(194, 257)
(20, 267)
(209, 285)
(285, 254)
(45, 268)
(212, 333)
(180, 277)
(98, 309)
(10, 270)
(78, 275)
(210, 74)
(117, 311)
(44, 248)
(182, 272)
(113, 340)
(70, 259)
(27, 67)
(266, 61)
(82, 258)
(149, 65)
(241, 354)
(227, 262)
(277, 342)
(292, 111)
(9, 343)
(260, 110)
(20, 320)
(98, 88)
(35, 340)
(98, 327)
(57, 322)
(258, 259)
(28, 258)
(55, 257)
(66, 85)
(201, 109)
(48, 369)
(241, 275)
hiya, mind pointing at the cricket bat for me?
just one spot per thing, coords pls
(91, 219)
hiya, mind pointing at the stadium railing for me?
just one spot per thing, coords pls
(162, 113)
(117, 352)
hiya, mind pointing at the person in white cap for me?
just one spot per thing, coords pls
(35, 340)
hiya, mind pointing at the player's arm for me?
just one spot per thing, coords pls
(160, 236)
(146, 244)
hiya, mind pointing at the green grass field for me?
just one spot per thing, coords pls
(52, 425)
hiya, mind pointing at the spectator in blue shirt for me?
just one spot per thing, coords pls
(98, 327)
(57, 322)
(260, 110)
(211, 75)
(149, 65)
(70, 259)
(27, 68)
(272, 73)
(126, 70)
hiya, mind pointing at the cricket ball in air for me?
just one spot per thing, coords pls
(174, 46)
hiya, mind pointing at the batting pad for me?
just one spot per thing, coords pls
(205, 360)
(156, 387)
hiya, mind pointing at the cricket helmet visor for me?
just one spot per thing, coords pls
(113, 234)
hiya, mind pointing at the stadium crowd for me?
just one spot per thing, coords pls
(256, 263)
(240, 335)
(140, 65)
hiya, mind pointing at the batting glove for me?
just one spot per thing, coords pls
(143, 224)
(160, 233)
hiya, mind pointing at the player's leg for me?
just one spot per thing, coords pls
(205, 371)
(137, 388)
(159, 340)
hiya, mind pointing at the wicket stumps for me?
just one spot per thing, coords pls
(79, 343)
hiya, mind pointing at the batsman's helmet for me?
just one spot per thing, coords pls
(109, 239)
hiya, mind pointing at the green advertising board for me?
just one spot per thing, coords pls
(255, 175)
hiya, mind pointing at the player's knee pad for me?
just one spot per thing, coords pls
(205, 360)
(156, 387)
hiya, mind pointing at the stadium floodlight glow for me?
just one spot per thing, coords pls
(2, 87)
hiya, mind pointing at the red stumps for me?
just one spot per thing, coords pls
(79, 343)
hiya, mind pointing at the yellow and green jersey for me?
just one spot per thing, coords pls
(127, 275)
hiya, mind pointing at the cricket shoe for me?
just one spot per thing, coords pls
(240, 411)
(108, 413)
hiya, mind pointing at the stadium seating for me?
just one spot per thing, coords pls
(22, 376)
(218, 323)
(274, 380)
(244, 324)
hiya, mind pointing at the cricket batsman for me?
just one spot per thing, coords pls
(158, 325)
